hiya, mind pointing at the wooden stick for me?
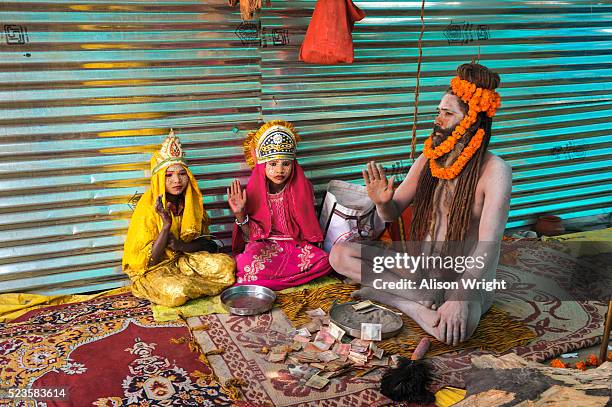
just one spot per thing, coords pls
(421, 349)
(606, 334)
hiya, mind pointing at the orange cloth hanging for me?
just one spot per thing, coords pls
(329, 38)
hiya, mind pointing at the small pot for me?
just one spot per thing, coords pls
(549, 225)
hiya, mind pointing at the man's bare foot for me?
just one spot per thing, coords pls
(422, 315)
(428, 304)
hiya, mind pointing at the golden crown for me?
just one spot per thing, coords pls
(275, 140)
(171, 152)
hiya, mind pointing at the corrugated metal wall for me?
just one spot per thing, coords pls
(554, 126)
(85, 100)
(89, 89)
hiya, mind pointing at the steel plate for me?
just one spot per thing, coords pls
(248, 299)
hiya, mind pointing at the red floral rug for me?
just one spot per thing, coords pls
(104, 352)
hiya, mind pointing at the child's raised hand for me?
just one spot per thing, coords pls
(236, 198)
(163, 212)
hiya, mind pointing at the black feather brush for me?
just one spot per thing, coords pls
(408, 381)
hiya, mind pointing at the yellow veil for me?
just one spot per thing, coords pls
(146, 223)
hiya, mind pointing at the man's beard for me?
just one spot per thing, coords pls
(439, 135)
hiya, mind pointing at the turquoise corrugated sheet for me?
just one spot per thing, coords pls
(88, 90)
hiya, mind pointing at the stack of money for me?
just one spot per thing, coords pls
(320, 350)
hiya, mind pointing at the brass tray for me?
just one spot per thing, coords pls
(350, 320)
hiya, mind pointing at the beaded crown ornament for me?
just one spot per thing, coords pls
(275, 140)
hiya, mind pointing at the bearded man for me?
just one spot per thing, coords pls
(459, 192)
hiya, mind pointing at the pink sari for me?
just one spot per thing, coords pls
(281, 252)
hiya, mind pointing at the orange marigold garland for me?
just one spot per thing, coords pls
(478, 100)
(448, 144)
(455, 169)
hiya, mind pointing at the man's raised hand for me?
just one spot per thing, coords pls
(380, 190)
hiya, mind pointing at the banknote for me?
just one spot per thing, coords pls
(384, 361)
(304, 357)
(320, 346)
(336, 365)
(359, 345)
(316, 313)
(363, 304)
(316, 347)
(317, 365)
(310, 372)
(300, 338)
(340, 372)
(281, 349)
(376, 351)
(342, 349)
(304, 332)
(317, 382)
(277, 357)
(336, 332)
(325, 336)
(327, 356)
(358, 358)
(371, 332)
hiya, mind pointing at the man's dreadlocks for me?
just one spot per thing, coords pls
(458, 218)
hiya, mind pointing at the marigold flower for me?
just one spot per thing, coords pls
(581, 366)
(557, 363)
(592, 360)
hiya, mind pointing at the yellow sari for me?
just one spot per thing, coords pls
(180, 276)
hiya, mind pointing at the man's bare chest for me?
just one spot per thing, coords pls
(444, 204)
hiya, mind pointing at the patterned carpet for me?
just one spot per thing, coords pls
(107, 351)
(266, 383)
(405, 342)
(536, 273)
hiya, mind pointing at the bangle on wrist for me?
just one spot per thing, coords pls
(244, 222)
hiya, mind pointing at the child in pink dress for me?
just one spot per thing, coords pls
(276, 230)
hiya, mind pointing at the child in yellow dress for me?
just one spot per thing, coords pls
(165, 253)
